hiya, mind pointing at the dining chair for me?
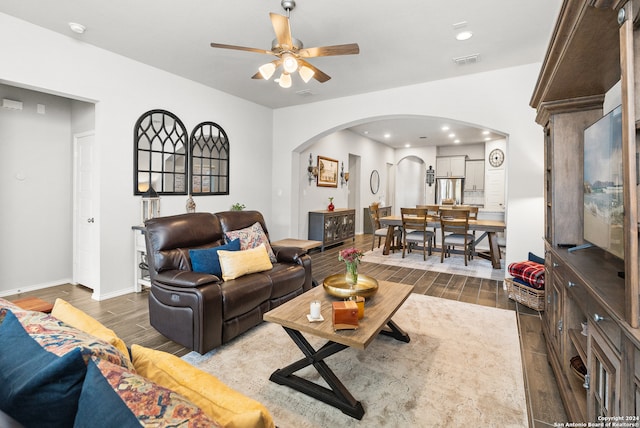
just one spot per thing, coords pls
(379, 231)
(415, 227)
(433, 211)
(454, 224)
(473, 215)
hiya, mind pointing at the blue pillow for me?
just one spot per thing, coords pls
(98, 403)
(535, 259)
(38, 387)
(207, 260)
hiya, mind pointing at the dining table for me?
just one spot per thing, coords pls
(488, 227)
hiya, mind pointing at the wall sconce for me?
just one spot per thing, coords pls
(431, 176)
(150, 204)
(312, 171)
(344, 176)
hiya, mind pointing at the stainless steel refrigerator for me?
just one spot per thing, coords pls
(449, 188)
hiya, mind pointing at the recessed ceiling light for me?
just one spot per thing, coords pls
(387, 135)
(452, 135)
(485, 132)
(464, 35)
(456, 141)
(487, 139)
(407, 145)
(445, 127)
(77, 28)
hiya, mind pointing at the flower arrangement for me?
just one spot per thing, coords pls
(351, 257)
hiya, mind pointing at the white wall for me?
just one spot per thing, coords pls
(36, 193)
(497, 100)
(35, 58)
(339, 146)
(267, 147)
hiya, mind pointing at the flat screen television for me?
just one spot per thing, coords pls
(603, 184)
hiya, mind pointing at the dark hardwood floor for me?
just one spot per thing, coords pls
(128, 317)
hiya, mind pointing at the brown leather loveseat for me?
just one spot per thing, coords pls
(201, 311)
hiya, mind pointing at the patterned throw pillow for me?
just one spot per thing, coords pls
(38, 388)
(59, 338)
(66, 312)
(5, 306)
(114, 396)
(220, 402)
(251, 237)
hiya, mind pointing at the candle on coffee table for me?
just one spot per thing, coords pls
(314, 310)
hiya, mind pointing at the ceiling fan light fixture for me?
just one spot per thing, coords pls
(306, 73)
(285, 80)
(267, 70)
(289, 63)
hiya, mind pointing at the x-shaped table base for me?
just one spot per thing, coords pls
(337, 395)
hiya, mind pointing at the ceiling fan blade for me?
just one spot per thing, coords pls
(282, 29)
(348, 49)
(240, 48)
(320, 76)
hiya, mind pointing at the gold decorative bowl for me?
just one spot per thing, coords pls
(336, 285)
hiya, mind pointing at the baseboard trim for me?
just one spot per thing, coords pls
(34, 287)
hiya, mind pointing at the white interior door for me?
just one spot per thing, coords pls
(494, 190)
(86, 256)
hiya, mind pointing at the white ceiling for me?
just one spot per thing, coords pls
(402, 42)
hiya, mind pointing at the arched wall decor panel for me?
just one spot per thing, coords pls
(160, 154)
(170, 162)
(209, 155)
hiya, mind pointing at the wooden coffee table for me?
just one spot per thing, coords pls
(292, 316)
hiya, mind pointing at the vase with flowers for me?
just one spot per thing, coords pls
(330, 207)
(351, 257)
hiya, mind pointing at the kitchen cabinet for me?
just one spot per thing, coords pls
(450, 166)
(474, 175)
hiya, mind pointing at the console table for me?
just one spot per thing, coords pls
(140, 271)
(332, 227)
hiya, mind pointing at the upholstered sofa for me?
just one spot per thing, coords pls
(202, 310)
(65, 369)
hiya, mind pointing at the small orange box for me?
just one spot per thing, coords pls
(345, 315)
(360, 303)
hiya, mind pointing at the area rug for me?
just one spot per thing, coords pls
(478, 267)
(462, 367)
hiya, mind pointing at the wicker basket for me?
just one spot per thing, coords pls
(528, 296)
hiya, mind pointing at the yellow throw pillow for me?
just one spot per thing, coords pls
(226, 406)
(69, 314)
(235, 264)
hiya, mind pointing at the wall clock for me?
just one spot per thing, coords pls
(496, 158)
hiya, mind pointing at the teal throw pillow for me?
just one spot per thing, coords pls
(38, 388)
(207, 260)
(99, 404)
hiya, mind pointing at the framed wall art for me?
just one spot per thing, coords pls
(327, 172)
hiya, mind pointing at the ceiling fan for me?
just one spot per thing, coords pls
(290, 53)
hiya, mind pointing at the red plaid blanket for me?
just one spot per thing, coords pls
(530, 272)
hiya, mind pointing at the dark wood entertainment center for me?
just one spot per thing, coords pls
(595, 45)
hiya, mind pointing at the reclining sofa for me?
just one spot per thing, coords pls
(199, 310)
